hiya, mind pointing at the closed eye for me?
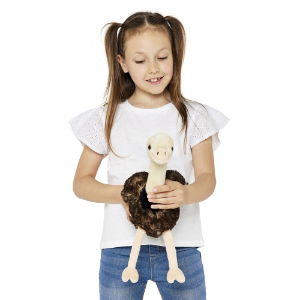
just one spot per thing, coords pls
(141, 61)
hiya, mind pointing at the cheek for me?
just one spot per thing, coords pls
(137, 74)
(168, 68)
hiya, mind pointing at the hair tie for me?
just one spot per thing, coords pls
(118, 30)
(168, 23)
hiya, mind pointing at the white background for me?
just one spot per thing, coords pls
(242, 57)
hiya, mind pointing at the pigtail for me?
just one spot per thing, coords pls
(111, 49)
(115, 81)
(178, 40)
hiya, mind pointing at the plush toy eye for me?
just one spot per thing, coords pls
(172, 148)
(149, 147)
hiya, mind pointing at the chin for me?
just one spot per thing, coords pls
(156, 90)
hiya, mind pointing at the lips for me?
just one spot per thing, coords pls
(158, 79)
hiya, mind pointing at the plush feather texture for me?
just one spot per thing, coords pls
(153, 221)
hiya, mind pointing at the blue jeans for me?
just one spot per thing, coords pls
(152, 264)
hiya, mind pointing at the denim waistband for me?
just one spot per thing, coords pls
(148, 250)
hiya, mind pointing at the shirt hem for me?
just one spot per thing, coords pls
(114, 244)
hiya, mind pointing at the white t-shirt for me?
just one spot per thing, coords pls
(131, 129)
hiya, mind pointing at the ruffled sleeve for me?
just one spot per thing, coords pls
(206, 122)
(88, 128)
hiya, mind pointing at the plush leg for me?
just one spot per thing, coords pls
(174, 272)
(131, 272)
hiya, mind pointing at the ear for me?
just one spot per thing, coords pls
(122, 63)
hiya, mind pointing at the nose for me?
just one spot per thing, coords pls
(153, 68)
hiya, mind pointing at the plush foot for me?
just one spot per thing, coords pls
(175, 274)
(130, 273)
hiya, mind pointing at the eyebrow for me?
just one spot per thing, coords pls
(144, 53)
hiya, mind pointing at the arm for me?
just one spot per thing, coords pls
(86, 187)
(204, 170)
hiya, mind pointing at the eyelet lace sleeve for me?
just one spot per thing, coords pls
(206, 122)
(88, 128)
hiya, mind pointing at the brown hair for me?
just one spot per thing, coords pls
(119, 84)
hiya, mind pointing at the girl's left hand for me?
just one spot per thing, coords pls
(170, 195)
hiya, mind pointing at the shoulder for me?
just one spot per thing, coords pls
(99, 109)
(96, 111)
(93, 116)
(195, 108)
(203, 110)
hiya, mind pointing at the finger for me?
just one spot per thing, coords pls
(168, 181)
(171, 206)
(169, 200)
(161, 188)
(160, 195)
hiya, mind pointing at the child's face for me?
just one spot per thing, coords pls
(155, 61)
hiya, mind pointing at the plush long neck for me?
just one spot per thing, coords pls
(156, 176)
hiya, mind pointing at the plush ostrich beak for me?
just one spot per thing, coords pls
(161, 156)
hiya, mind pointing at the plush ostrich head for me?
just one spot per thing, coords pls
(160, 148)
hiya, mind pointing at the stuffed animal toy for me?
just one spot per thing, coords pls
(153, 222)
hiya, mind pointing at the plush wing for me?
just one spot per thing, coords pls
(133, 186)
(175, 176)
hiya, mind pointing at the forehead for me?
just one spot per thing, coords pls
(147, 42)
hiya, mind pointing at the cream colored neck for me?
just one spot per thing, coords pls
(156, 176)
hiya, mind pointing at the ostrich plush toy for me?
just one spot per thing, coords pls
(153, 222)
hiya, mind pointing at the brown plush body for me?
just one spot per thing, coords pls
(153, 221)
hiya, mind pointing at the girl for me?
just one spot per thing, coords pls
(145, 56)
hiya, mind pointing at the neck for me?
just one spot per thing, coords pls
(156, 176)
(147, 100)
